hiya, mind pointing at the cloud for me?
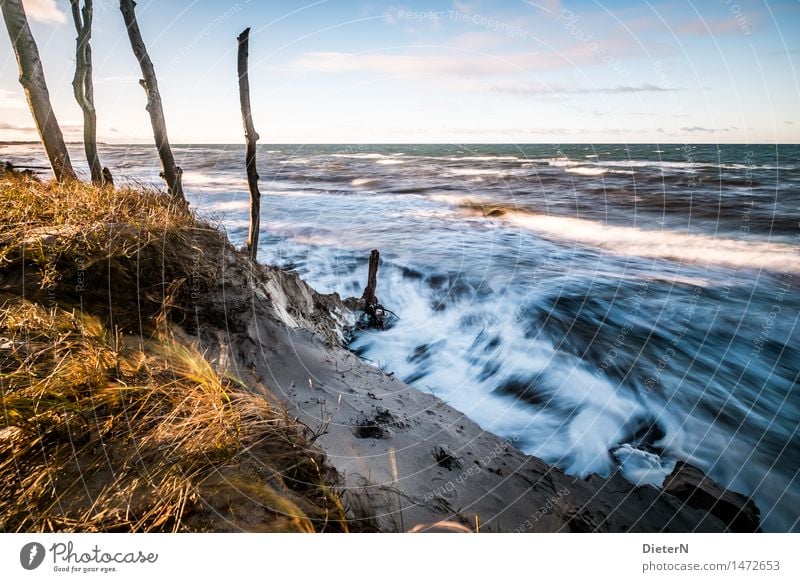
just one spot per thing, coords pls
(477, 41)
(122, 80)
(783, 52)
(450, 65)
(549, 6)
(44, 11)
(697, 128)
(712, 27)
(11, 100)
(4, 126)
(555, 90)
(464, 7)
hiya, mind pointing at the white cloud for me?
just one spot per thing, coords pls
(701, 27)
(522, 89)
(118, 80)
(698, 128)
(44, 11)
(12, 100)
(452, 65)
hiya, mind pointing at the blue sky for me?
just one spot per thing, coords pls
(450, 71)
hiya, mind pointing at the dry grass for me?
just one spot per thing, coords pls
(52, 221)
(134, 244)
(102, 429)
(105, 432)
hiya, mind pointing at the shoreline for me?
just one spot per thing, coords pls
(407, 458)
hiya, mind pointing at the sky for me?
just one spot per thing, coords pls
(449, 71)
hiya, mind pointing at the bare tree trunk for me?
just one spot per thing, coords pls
(251, 137)
(31, 77)
(170, 172)
(371, 306)
(82, 85)
(108, 179)
(369, 297)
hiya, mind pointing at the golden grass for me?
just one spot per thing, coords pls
(51, 222)
(105, 429)
(106, 432)
(136, 243)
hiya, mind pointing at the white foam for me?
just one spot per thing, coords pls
(364, 181)
(584, 171)
(484, 159)
(562, 162)
(454, 199)
(361, 156)
(475, 172)
(230, 205)
(663, 244)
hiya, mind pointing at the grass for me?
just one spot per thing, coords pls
(108, 426)
(135, 240)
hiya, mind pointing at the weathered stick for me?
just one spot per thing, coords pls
(83, 87)
(31, 77)
(170, 172)
(369, 297)
(108, 179)
(251, 137)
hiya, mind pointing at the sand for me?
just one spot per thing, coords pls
(406, 459)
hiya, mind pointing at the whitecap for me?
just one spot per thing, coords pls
(662, 244)
(586, 171)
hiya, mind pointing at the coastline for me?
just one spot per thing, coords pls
(405, 459)
(408, 459)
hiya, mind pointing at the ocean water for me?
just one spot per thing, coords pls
(604, 306)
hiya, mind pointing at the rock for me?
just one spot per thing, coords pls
(446, 458)
(689, 484)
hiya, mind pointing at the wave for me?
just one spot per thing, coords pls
(662, 244)
(228, 205)
(584, 171)
(364, 181)
(475, 172)
(362, 156)
(485, 159)
(642, 243)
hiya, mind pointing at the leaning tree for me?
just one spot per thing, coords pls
(31, 77)
(82, 85)
(169, 169)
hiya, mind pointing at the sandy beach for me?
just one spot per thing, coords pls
(407, 459)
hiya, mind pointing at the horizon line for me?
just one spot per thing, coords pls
(397, 143)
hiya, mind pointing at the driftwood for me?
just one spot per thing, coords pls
(82, 86)
(370, 304)
(31, 77)
(251, 137)
(170, 172)
(369, 297)
(108, 179)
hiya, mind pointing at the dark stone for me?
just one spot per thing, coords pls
(689, 484)
(446, 459)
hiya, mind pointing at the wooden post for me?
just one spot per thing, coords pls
(369, 297)
(170, 172)
(108, 179)
(31, 77)
(251, 137)
(372, 307)
(82, 85)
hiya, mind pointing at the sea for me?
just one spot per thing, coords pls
(605, 307)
